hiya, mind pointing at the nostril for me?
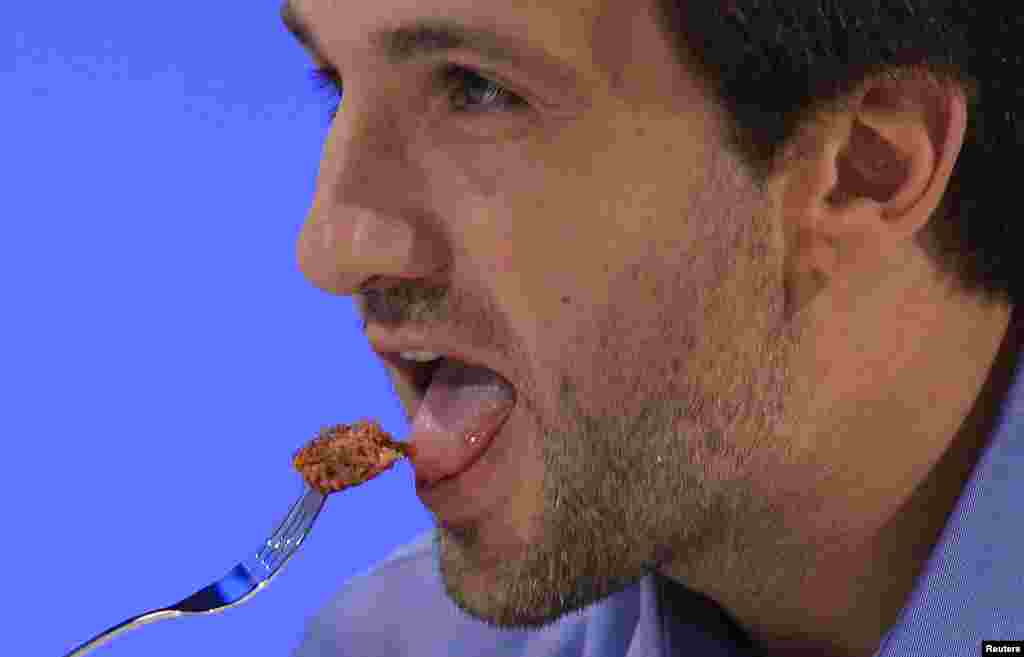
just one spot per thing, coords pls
(372, 284)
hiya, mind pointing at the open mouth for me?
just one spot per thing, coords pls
(419, 375)
(454, 409)
(423, 373)
(415, 375)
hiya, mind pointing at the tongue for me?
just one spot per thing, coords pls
(463, 408)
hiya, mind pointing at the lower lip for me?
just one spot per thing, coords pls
(467, 495)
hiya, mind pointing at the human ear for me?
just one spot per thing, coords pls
(870, 177)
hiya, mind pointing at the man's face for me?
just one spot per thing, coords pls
(608, 252)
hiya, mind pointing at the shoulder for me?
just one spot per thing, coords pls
(369, 608)
(398, 608)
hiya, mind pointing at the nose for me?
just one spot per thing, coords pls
(363, 223)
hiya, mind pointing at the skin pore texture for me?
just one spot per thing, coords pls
(766, 393)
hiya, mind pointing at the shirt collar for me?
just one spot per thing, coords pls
(970, 588)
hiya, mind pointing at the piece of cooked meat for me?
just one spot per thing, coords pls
(346, 455)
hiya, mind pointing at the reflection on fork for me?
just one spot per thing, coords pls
(242, 582)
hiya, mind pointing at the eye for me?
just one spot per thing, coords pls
(325, 79)
(473, 93)
(468, 92)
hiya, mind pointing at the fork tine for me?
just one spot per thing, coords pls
(286, 524)
(295, 530)
(295, 525)
(296, 520)
(285, 541)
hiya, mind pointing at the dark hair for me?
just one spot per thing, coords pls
(773, 64)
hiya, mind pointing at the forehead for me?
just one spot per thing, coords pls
(581, 45)
(562, 28)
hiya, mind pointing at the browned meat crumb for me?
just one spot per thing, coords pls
(346, 455)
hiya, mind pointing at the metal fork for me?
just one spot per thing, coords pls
(241, 583)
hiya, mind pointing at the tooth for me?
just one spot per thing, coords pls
(420, 356)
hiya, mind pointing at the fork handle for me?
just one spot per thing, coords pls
(130, 624)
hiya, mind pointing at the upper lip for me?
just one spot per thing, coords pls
(390, 346)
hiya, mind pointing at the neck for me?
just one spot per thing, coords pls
(880, 579)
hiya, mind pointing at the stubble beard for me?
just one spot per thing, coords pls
(668, 485)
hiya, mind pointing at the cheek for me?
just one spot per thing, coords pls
(514, 219)
(485, 177)
(484, 172)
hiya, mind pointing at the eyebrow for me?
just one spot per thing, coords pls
(428, 37)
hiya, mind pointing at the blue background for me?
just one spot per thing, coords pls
(162, 355)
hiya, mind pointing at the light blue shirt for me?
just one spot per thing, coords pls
(971, 590)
